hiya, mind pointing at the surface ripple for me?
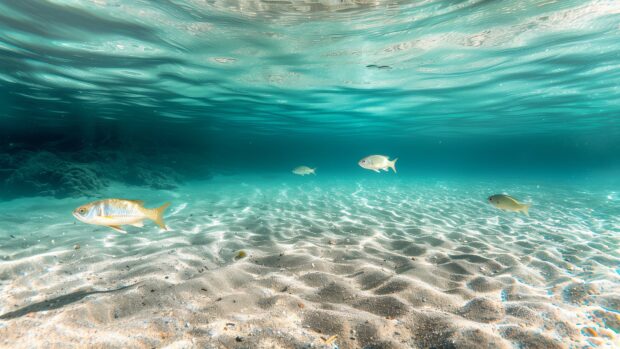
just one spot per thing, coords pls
(354, 67)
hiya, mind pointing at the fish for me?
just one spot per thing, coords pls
(374, 66)
(114, 213)
(378, 162)
(304, 170)
(508, 203)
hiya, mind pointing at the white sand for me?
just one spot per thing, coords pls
(380, 264)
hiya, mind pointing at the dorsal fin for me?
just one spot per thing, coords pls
(139, 202)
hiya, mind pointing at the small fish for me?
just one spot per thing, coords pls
(374, 66)
(304, 170)
(507, 203)
(378, 162)
(114, 213)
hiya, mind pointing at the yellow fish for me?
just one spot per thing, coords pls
(507, 203)
(114, 213)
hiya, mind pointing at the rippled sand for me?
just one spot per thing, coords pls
(386, 263)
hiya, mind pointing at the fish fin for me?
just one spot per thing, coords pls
(525, 209)
(157, 215)
(139, 202)
(374, 169)
(392, 164)
(117, 228)
(139, 224)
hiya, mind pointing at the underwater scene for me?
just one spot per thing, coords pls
(329, 174)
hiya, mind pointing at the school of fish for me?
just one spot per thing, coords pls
(115, 213)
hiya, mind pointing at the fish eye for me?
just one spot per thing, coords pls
(82, 211)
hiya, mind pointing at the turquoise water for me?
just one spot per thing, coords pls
(210, 105)
(402, 69)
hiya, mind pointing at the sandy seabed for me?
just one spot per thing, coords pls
(379, 265)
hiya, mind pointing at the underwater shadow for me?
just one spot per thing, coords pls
(56, 303)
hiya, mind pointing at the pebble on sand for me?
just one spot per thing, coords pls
(590, 331)
(240, 255)
(331, 339)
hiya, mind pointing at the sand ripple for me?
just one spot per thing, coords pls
(402, 265)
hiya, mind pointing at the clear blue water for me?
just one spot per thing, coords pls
(530, 85)
(209, 105)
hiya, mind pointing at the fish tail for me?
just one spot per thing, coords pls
(157, 215)
(392, 164)
(525, 208)
(314, 171)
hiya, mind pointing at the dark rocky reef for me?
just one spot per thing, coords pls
(46, 172)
